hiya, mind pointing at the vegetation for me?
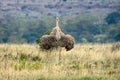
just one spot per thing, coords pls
(113, 18)
(88, 27)
(84, 62)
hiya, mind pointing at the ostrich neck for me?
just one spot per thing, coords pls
(57, 24)
(57, 36)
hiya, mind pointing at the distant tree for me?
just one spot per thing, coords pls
(3, 33)
(34, 32)
(117, 37)
(64, 0)
(113, 18)
(24, 7)
(82, 29)
(113, 32)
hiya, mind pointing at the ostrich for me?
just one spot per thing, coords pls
(57, 38)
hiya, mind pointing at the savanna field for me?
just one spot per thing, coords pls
(84, 62)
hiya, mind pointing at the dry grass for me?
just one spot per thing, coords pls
(84, 62)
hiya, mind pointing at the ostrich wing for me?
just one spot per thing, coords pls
(67, 41)
(47, 42)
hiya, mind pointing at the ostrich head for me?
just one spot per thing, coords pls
(58, 30)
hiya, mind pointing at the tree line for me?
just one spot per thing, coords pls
(94, 27)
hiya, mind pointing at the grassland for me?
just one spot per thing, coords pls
(84, 62)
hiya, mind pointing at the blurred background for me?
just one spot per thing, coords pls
(95, 21)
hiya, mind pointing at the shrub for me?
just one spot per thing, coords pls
(115, 47)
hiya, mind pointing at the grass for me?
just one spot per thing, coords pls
(84, 62)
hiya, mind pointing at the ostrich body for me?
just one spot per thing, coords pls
(57, 38)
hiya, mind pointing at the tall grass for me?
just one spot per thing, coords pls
(84, 62)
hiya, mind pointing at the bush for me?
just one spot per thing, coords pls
(115, 47)
(27, 65)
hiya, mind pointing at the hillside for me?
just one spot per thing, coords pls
(38, 8)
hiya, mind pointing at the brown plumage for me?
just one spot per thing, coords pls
(57, 38)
